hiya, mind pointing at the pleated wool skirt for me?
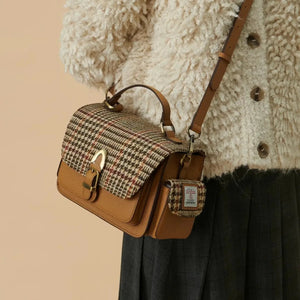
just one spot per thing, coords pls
(244, 245)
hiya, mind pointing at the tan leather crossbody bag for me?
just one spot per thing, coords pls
(139, 177)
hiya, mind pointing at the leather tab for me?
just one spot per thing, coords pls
(187, 170)
(170, 135)
(90, 183)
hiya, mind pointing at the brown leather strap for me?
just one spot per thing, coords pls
(224, 59)
(165, 117)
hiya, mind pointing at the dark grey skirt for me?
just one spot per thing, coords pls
(244, 245)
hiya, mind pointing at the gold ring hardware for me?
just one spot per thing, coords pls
(107, 104)
(163, 129)
(116, 107)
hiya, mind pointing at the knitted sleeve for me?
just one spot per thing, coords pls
(95, 37)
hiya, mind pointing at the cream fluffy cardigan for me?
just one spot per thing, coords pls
(173, 46)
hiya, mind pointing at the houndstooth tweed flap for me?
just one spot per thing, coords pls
(134, 147)
(186, 197)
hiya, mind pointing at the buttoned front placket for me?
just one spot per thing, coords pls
(256, 99)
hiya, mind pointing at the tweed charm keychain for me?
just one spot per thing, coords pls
(186, 197)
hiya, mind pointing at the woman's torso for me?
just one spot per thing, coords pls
(254, 117)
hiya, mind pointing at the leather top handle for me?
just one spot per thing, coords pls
(223, 61)
(112, 104)
(165, 117)
(217, 76)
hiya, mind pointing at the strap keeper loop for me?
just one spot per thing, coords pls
(225, 56)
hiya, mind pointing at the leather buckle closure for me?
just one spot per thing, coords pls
(92, 175)
(91, 187)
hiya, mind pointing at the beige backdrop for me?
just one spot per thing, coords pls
(50, 247)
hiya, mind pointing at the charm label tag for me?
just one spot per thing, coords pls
(190, 194)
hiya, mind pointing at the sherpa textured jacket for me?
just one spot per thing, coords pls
(173, 45)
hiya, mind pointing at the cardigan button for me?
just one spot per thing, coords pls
(263, 150)
(253, 40)
(257, 94)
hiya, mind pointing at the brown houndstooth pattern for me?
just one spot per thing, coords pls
(176, 194)
(134, 147)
